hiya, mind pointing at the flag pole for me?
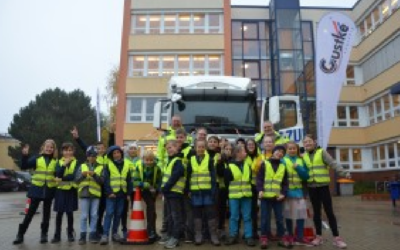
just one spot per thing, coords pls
(98, 115)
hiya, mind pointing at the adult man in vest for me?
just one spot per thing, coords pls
(269, 131)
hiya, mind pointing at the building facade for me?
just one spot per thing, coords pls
(274, 46)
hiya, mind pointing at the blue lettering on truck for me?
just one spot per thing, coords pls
(294, 134)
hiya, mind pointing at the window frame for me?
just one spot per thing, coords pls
(143, 114)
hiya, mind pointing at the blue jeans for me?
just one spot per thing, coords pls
(266, 206)
(235, 205)
(114, 208)
(89, 206)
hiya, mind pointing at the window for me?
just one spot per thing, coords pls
(251, 70)
(386, 106)
(185, 23)
(251, 50)
(169, 23)
(371, 112)
(199, 23)
(214, 23)
(350, 75)
(140, 109)
(169, 65)
(378, 110)
(154, 24)
(396, 105)
(250, 31)
(347, 116)
(138, 66)
(386, 10)
(139, 24)
(349, 158)
(153, 66)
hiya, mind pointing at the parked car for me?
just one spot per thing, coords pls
(8, 180)
(24, 180)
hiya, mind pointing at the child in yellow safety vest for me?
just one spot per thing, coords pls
(226, 157)
(272, 185)
(252, 155)
(202, 186)
(147, 176)
(295, 207)
(319, 162)
(172, 187)
(89, 178)
(66, 198)
(42, 189)
(238, 181)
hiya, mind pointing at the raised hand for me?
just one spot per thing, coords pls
(75, 133)
(25, 149)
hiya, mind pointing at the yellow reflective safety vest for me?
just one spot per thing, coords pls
(201, 176)
(273, 180)
(102, 160)
(180, 184)
(67, 185)
(185, 153)
(44, 174)
(117, 178)
(293, 178)
(279, 139)
(318, 171)
(251, 162)
(241, 185)
(139, 170)
(94, 187)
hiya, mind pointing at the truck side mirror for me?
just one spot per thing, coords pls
(157, 115)
(274, 111)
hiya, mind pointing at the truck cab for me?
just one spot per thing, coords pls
(227, 107)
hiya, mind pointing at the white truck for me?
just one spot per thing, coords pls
(227, 107)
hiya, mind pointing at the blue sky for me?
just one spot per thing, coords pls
(68, 44)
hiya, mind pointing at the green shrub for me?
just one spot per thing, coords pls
(364, 187)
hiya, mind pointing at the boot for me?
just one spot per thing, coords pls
(71, 234)
(43, 235)
(198, 235)
(82, 239)
(212, 226)
(20, 235)
(57, 238)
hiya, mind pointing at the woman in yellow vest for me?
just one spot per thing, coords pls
(202, 186)
(147, 176)
(238, 181)
(252, 156)
(222, 164)
(117, 187)
(295, 207)
(66, 200)
(42, 189)
(272, 186)
(89, 178)
(318, 162)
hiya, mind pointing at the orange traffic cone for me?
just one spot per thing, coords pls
(308, 228)
(137, 234)
(27, 205)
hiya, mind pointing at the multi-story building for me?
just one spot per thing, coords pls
(274, 46)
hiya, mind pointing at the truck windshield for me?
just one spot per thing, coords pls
(219, 117)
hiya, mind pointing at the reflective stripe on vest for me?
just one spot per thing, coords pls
(319, 172)
(67, 185)
(139, 167)
(240, 186)
(201, 177)
(94, 187)
(293, 177)
(250, 161)
(180, 184)
(44, 174)
(273, 180)
(117, 178)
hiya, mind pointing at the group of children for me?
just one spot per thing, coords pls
(197, 182)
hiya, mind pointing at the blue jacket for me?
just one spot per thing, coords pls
(35, 191)
(178, 171)
(303, 173)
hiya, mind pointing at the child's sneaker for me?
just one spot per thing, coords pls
(318, 240)
(104, 240)
(338, 242)
(164, 239)
(171, 243)
(264, 242)
(250, 242)
(231, 240)
(303, 242)
(285, 242)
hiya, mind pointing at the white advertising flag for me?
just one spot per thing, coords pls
(335, 34)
